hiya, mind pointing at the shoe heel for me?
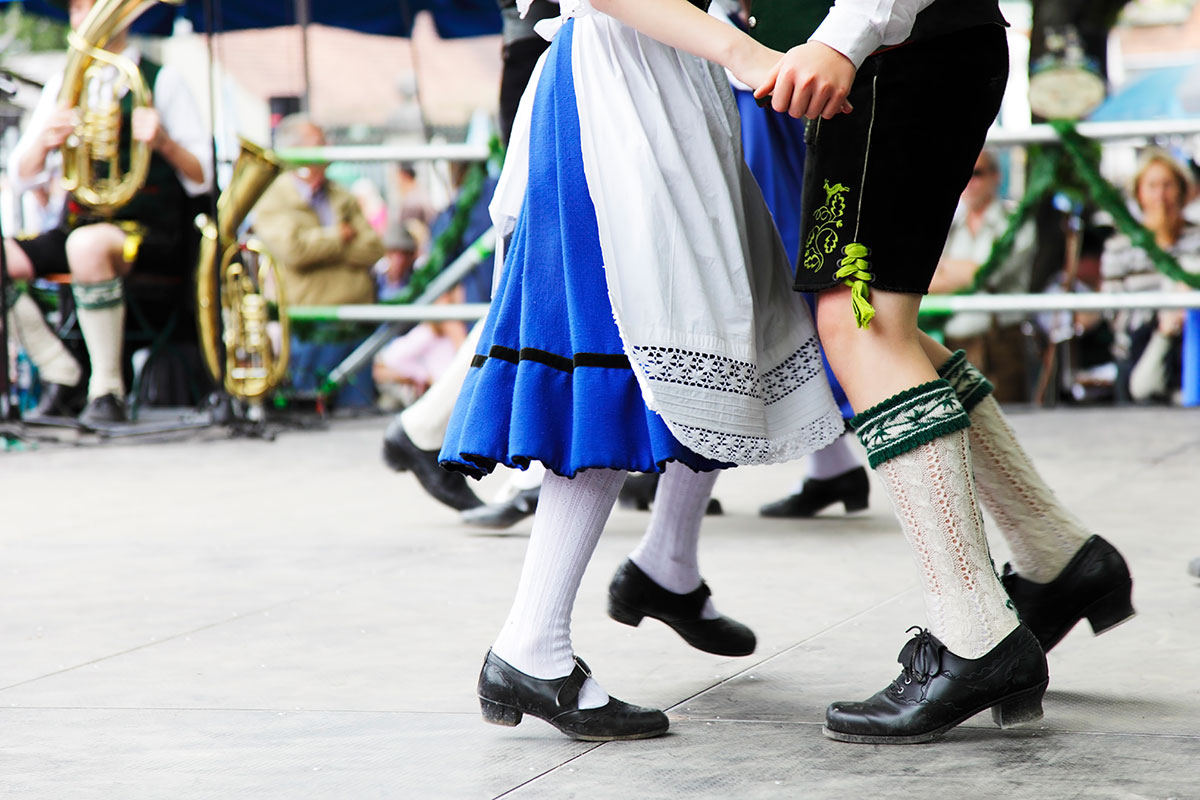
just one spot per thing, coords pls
(623, 613)
(497, 714)
(1110, 610)
(1023, 707)
(856, 502)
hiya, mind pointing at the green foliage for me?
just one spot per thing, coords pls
(31, 33)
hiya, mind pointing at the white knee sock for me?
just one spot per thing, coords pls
(536, 637)
(1043, 535)
(425, 421)
(667, 552)
(101, 309)
(836, 458)
(934, 494)
(54, 362)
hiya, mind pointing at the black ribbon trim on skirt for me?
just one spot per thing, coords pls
(552, 360)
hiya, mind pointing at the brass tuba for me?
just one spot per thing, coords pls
(92, 84)
(239, 317)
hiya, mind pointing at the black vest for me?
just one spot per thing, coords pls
(161, 202)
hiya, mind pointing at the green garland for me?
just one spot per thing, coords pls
(1050, 170)
(450, 241)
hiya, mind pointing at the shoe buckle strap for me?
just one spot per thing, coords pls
(568, 693)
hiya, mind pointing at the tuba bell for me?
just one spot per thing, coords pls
(93, 84)
(238, 318)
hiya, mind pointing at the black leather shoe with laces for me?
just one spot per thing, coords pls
(402, 454)
(632, 596)
(937, 690)
(851, 489)
(1094, 584)
(506, 694)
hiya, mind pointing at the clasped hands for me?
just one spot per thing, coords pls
(810, 80)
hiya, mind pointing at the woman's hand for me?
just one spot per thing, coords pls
(754, 64)
(811, 80)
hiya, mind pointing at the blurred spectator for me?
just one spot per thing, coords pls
(1148, 344)
(405, 368)
(326, 250)
(477, 285)
(414, 202)
(993, 342)
(400, 253)
(370, 201)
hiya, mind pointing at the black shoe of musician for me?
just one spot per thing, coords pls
(402, 455)
(1095, 584)
(850, 489)
(506, 694)
(632, 596)
(59, 400)
(107, 409)
(498, 516)
(937, 690)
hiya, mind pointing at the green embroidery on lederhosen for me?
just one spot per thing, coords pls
(823, 238)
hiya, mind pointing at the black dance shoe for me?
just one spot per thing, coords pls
(107, 409)
(850, 489)
(937, 690)
(402, 455)
(59, 400)
(637, 492)
(506, 694)
(498, 516)
(1094, 584)
(632, 595)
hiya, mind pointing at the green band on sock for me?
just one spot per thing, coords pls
(908, 420)
(105, 294)
(969, 383)
(13, 292)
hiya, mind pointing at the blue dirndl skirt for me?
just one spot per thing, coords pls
(550, 381)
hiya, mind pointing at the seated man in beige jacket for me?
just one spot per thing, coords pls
(326, 250)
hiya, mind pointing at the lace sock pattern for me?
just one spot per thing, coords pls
(934, 495)
(536, 637)
(1043, 534)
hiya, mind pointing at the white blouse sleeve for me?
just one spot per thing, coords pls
(181, 119)
(857, 28)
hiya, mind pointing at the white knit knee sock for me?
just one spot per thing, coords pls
(101, 310)
(667, 552)
(1043, 535)
(836, 458)
(934, 494)
(536, 637)
(54, 362)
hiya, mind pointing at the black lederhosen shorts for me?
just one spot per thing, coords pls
(889, 174)
(161, 252)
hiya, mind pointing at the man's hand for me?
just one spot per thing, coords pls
(346, 231)
(811, 80)
(147, 127)
(59, 127)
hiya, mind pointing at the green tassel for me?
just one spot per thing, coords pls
(864, 312)
(855, 272)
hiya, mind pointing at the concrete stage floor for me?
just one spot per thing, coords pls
(215, 618)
